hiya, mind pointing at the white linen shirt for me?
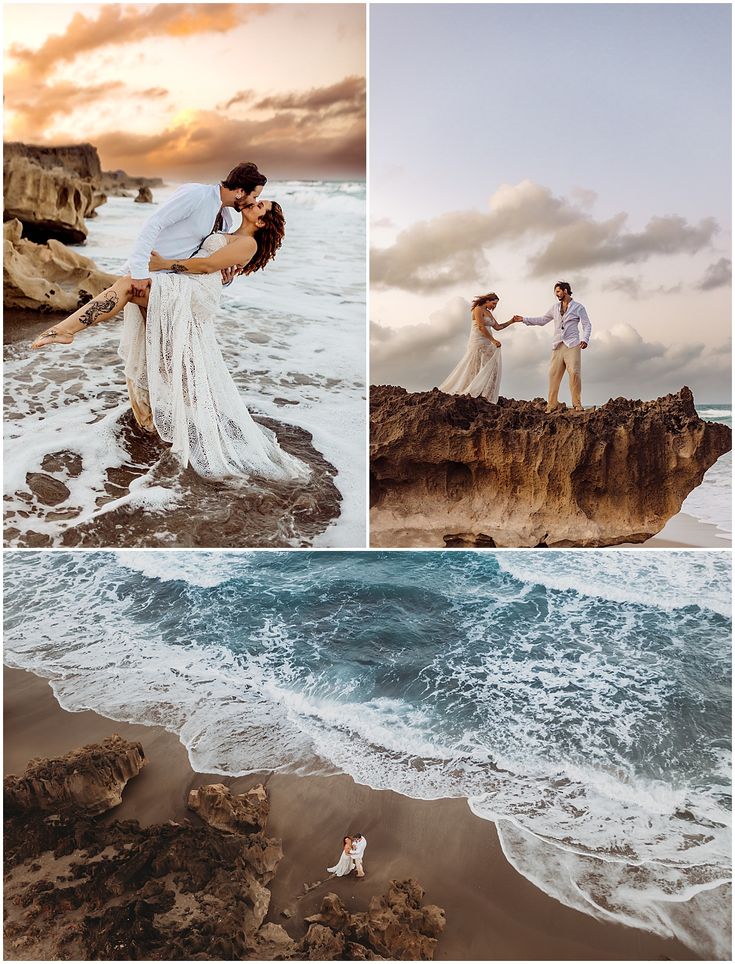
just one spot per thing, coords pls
(566, 329)
(178, 227)
(358, 847)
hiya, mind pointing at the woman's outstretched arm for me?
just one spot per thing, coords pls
(237, 252)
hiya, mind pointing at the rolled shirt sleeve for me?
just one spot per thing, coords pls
(585, 323)
(177, 208)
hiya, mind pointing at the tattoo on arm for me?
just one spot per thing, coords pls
(178, 268)
(97, 307)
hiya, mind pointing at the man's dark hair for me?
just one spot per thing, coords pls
(356, 834)
(245, 176)
(564, 285)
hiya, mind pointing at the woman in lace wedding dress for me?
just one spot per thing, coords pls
(346, 863)
(178, 382)
(480, 368)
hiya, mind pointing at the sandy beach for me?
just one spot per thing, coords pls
(493, 913)
(683, 531)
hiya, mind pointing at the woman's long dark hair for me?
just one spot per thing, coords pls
(268, 238)
(481, 300)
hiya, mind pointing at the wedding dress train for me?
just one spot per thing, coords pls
(344, 866)
(180, 387)
(478, 371)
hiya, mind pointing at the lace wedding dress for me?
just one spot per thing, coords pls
(180, 387)
(479, 370)
(344, 866)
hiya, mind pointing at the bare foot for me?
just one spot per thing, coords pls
(550, 409)
(53, 337)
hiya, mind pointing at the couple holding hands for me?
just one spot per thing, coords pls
(480, 369)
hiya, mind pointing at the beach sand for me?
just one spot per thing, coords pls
(683, 531)
(493, 913)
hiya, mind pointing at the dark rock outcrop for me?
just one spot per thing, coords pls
(230, 812)
(119, 184)
(51, 190)
(145, 196)
(47, 277)
(395, 927)
(455, 470)
(89, 780)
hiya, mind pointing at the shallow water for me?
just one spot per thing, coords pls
(294, 339)
(579, 700)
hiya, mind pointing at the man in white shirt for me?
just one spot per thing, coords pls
(568, 316)
(177, 229)
(359, 843)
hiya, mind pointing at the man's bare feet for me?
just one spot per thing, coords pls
(550, 409)
(578, 408)
(53, 337)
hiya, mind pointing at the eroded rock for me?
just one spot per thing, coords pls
(395, 927)
(145, 196)
(455, 470)
(230, 812)
(90, 779)
(48, 203)
(47, 277)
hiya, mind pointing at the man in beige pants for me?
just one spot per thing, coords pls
(568, 316)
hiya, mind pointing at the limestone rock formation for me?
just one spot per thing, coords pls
(454, 470)
(90, 779)
(145, 196)
(230, 812)
(47, 277)
(51, 190)
(395, 927)
(119, 184)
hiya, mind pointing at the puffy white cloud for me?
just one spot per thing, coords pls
(453, 248)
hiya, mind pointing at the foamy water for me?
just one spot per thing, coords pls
(711, 502)
(293, 337)
(578, 700)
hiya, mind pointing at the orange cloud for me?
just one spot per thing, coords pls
(115, 25)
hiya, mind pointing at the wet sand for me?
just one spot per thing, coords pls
(493, 913)
(683, 531)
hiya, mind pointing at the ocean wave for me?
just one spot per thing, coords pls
(638, 577)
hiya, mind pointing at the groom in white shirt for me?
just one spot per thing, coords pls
(359, 843)
(177, 229)
(566, 355)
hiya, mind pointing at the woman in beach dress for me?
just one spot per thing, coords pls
(178, 382)
(478, 371)
(346, 863)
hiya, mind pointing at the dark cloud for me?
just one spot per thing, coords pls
(452, 248)
(207, 146)
(346, 96)
(618, 362)
(241, 97)
(717, 275)
(154, 92)
(635, 288)
(589, 243)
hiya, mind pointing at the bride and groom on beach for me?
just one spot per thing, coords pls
(351, 858)
(480, 368)
(178, 383)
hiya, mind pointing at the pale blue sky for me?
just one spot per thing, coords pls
(616, 116)
(639, 91)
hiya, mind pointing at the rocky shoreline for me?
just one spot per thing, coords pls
(451, 470)
(49, 193)
(79, 887)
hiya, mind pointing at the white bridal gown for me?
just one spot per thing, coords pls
(479, 369)
(344, 866)
(179, 383)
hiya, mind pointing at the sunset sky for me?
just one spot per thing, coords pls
(514, 145)
(188, 90)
